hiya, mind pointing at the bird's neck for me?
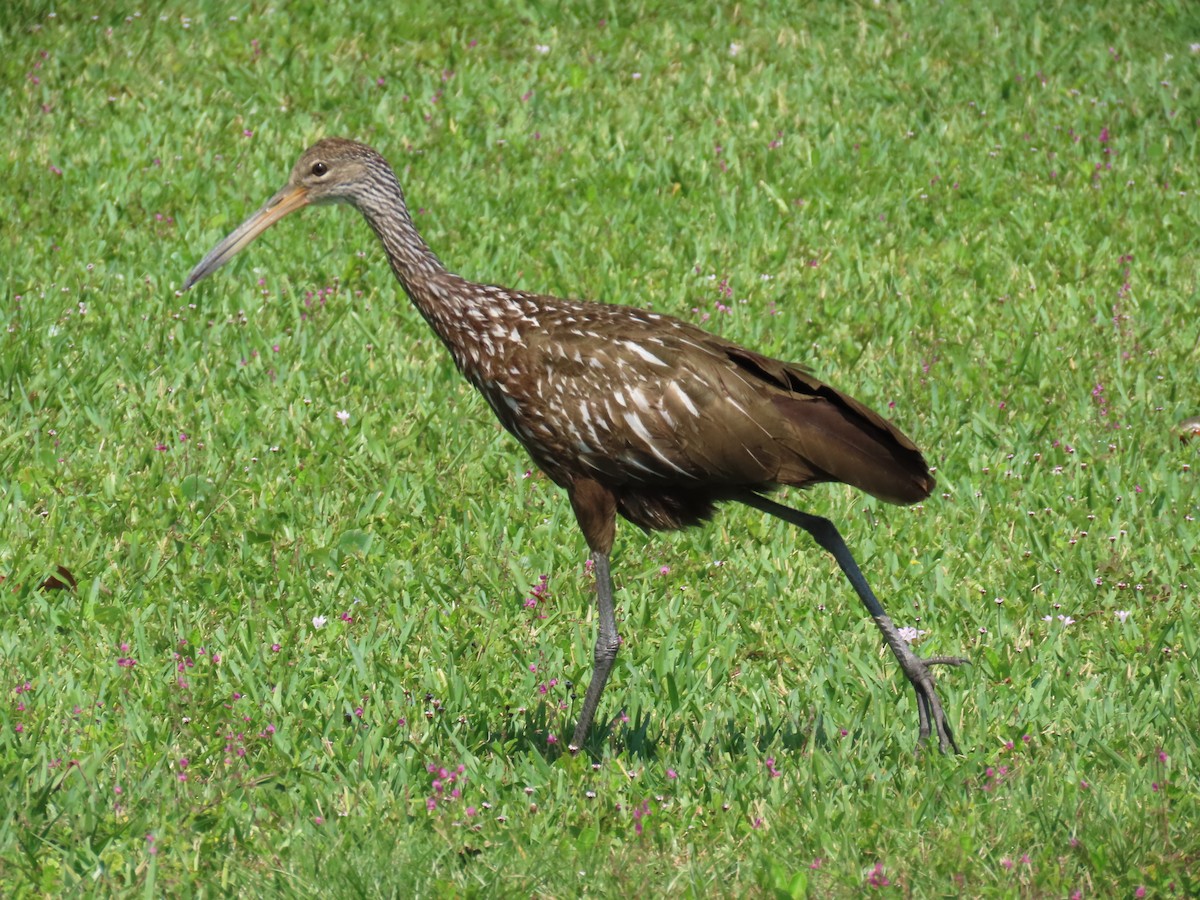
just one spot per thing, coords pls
(460, 312)
(410, 257)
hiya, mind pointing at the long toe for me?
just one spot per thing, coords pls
(929, 705)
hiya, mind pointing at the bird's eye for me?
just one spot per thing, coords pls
(319, 169)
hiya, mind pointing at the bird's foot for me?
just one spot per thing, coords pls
(933, 718)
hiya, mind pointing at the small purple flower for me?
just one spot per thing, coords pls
(639, 813)
(876, 878)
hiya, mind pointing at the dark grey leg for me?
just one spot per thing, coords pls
(607, 643)
(917, 670)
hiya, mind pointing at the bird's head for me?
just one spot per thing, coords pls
(334, 170)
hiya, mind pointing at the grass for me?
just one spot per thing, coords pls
(985, 220)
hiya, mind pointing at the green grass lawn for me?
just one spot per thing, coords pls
(312, 571)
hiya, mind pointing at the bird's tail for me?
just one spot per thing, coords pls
(845, 441)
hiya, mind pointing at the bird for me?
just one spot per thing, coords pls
(633, 413)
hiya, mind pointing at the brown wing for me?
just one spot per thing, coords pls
(653, 406)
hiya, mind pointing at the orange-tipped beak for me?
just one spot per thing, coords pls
(290, 199)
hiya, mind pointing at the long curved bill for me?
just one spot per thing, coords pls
(290, 199)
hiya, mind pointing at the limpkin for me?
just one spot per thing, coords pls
(630, 411)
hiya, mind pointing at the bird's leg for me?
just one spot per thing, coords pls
(917, 670)
(596, 510)
(607, 643)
